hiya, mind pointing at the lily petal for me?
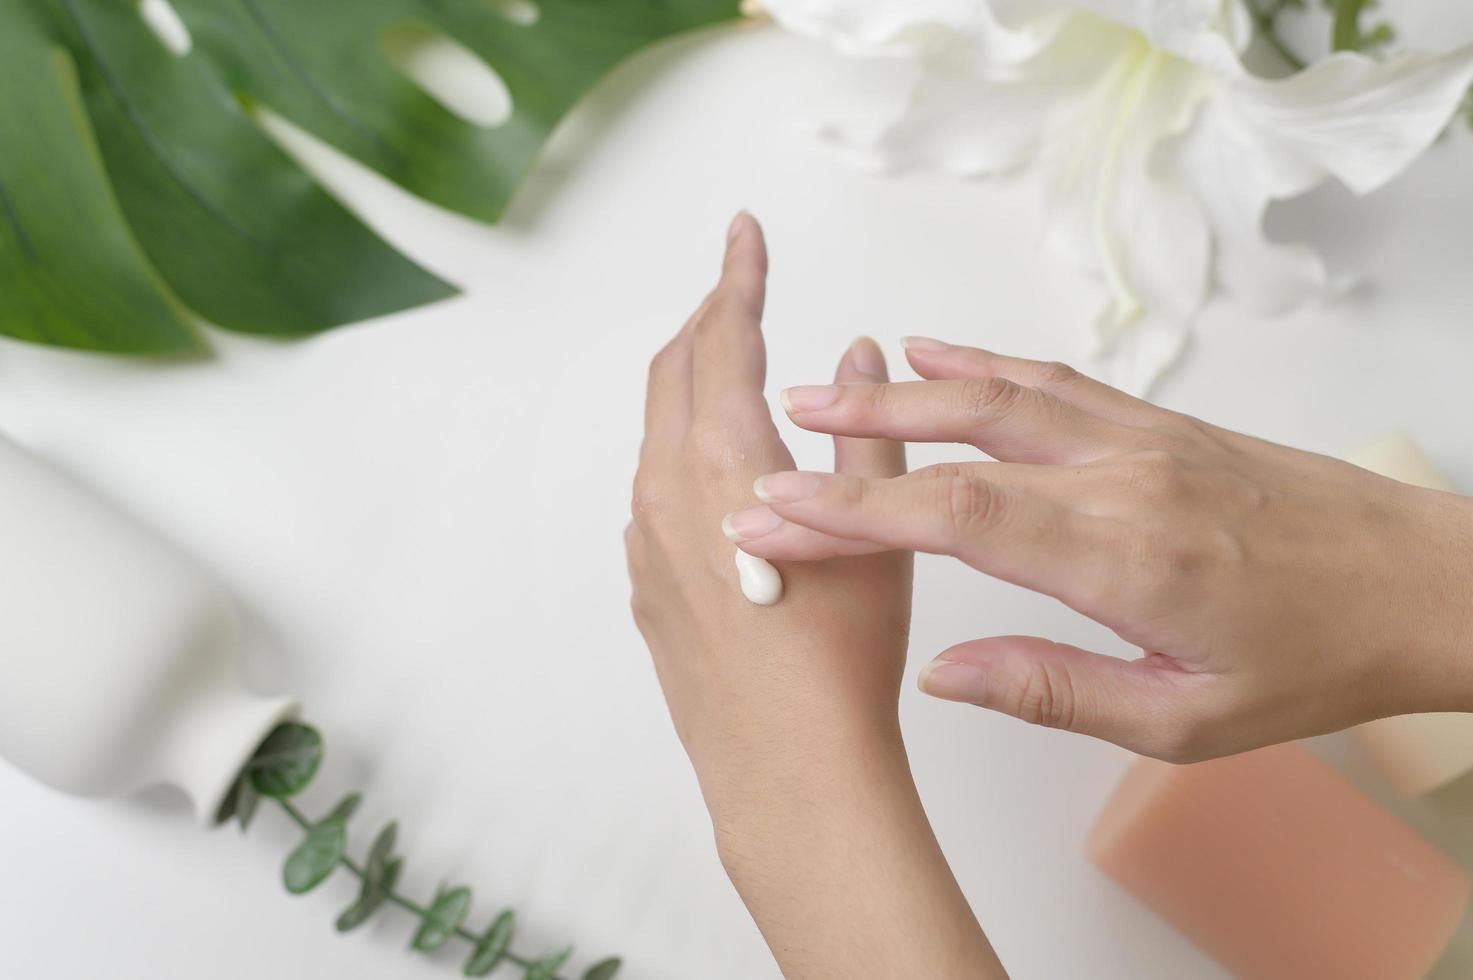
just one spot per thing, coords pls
(1209, 33)
(971, 115)
(1111, 207)
(918, 27)
(1258, 141)
(1159, 152)
(1360, 120)
(1221, 161)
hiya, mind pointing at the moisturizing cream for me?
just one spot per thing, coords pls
(761, 583)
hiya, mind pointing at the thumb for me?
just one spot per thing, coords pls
(1136, 704)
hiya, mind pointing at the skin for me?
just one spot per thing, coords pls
(1274, 594)
(787, 712)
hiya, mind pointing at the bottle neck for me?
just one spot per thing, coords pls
(217, 731)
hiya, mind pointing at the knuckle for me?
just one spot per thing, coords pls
(639, 610)
(1046, 698)
(649, 498)
(969, 506)
(1157, 474)
(1170, 435)
(874, 401)
(988, 398)
(937, 472)
(659, 362)
(1056, 374)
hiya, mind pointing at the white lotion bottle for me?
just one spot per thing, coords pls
(118, 656)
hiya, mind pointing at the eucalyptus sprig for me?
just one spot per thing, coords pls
(283, 766)
(1351, 29)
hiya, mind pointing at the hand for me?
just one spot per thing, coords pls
(825, 660)
(788, 712)
(1276, 593)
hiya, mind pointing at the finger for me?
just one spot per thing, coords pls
(667, 405)
(938, 360)
(864, 362)
(1007, 533)
(1006, 420)
(729, 360)
(1131, 703)
(759, 531)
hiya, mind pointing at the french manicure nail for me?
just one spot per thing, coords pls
(865, 355)
(754, 522)
(926, 345)
(786, 488)
(809, 398)
(952, 680)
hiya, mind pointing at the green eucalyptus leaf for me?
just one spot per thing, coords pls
(604, 969)
(445, 916)
(316, 857)
(373, 894)
(286, 762)
(547, 967)
(230, 806)
(137, 184)
(378, 854)
(246, 801)
(492, 948)
(345, 809)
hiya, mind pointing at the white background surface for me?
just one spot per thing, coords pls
(421, 519)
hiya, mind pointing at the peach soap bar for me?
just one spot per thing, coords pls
(1418, 753)
(1280, 869)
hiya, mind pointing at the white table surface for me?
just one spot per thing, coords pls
(421, 517)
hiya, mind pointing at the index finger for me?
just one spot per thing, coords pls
(729, 359)
(936, 360)
(1000, 530)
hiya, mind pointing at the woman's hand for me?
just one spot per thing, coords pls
(1276, 593)
(751, 686)
(788, 712)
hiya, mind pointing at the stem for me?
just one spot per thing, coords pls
(393, 897)
(1345, 29)
(1266, 21)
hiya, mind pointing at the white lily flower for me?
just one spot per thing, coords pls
(1159, 150)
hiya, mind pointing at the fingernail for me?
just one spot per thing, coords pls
(951, 680)
(809, 398)
(785, 488)
(865, 355)
(754, 522)
(737, 226)
(924, 344)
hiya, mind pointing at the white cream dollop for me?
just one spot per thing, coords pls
(761, 582)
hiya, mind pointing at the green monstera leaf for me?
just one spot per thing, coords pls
(137, 185)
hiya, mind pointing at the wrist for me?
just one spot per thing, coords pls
(763, 804)
(1459, 638)
(1439, 629)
